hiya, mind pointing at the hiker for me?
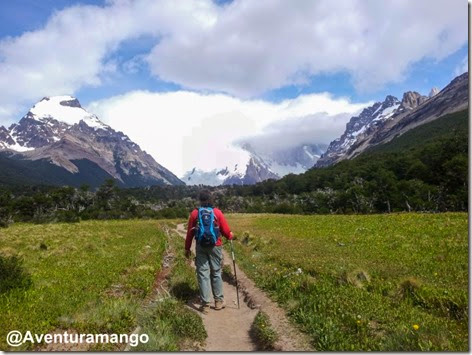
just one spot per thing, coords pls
(207, 224)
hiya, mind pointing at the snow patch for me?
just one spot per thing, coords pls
(93, 122)
(378, 108)
(200, 177)
(388, 112)
(305, 149)
(51, 108)
(17, 147)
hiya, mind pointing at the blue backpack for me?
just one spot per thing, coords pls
(207, 230)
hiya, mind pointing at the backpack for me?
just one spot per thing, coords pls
(207, 230)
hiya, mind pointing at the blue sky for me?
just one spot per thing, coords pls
(422, 76)
(19, 16)
(259, 66)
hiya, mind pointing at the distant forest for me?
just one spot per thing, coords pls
(423, 170)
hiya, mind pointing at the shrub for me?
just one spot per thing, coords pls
(67, 216)
(13, 274)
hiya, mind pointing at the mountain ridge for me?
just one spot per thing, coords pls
(59, 130)
(413, 110)
(258, 167)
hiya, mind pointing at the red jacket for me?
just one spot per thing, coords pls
(220, 219)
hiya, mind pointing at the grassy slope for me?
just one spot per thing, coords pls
(444, 126)
(93, 278)
(15, 171)
(417, 265)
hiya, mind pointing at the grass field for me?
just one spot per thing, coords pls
(88, 277)
(371, 282)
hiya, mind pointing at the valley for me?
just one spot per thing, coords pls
(337, 278)
(327, 140)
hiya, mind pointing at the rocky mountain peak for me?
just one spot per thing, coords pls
(63, 100)
(378, 111)
(414, 109)
(66, 109)
(72, 102)
(59, 130)
(434, 91)
(390, 100)
(412, 99)
(5, 138)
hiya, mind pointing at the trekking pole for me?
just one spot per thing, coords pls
(235, 276)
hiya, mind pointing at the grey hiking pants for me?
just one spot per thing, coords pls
(209, 262)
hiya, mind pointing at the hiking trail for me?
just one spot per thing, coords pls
(229, 329)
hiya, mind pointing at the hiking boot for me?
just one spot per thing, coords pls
(220, 304)
(204, 308)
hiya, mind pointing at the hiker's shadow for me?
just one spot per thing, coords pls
(183, 291)
(193, 304)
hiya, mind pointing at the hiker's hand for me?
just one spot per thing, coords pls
(231, 235)
(188, 253)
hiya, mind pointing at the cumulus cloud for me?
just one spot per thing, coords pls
(318, 128)
(259, 45)
(243, 48)
(73, 49)
(184, 129)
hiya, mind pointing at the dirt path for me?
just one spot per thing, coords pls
(229, 329)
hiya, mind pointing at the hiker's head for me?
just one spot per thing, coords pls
(205, 198)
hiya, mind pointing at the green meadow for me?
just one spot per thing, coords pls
(364, 282)
(90, 277)
(351, 282)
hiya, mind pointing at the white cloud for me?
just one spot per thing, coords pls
(73, 49)
(244, 48)
(183, 129)
(259, 45)
(316, 128)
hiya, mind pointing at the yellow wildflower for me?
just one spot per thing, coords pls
(416, 326)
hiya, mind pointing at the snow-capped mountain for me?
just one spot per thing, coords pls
(210, 178)
(293, 160)
(254, 171)
(357, 125)
(382, 122)
(57, 129)
(258, 167)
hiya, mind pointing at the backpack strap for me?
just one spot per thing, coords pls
(200, 222)
(212, 221)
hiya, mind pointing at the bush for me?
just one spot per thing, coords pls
(4, 223)
(67, 216)
(13, 274)
(5, 218)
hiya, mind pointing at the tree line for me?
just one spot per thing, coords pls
(424, 170)
(45, 204)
